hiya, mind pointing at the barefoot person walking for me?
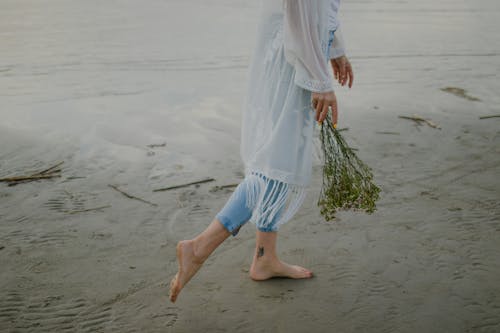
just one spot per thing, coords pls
(290, 87)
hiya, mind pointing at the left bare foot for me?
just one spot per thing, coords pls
(189, 264)
(264, 269)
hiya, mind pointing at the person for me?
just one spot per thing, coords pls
(290, 83)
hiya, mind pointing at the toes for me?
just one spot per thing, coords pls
(306, 274)
(304, 271)
(173, 296)
(173, 289)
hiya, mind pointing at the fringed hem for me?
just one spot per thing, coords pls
(273, 202)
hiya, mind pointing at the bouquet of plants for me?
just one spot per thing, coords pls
(347, 181)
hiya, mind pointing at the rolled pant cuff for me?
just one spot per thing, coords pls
(266, 229)
(228, 225)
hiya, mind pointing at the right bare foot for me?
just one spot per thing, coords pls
(263, 269)
(189, 264)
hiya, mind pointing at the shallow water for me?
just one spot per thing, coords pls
(94, 83)
(132, 74)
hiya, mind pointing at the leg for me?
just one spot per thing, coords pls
(266, 264)
(191, 254)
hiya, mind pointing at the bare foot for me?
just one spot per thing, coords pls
(189, 264)
(263, 269)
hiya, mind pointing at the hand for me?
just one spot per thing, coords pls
(321, 102)
(342, 70)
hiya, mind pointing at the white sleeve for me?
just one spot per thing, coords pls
(305, 28)
(338, 46)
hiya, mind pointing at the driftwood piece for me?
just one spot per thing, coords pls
(460, 92)
(184, 185)
(25, 178)
(75, 177)
(222, 187)
(490, 116)
(52, 169)
(44, 174)
(132, 196)
(419, 119)
(388, 133)
(157, 145)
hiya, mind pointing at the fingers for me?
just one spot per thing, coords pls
(350, 74)
(322, 102)
(336, 70)
(343, 76)
(334, 113)
(343, 71)
(317, 103)
(324, 112)
(326, 109)
(319, 108)
(329, 103)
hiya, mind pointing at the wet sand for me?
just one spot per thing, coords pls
(93, 84)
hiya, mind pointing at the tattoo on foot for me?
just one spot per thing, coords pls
(260, 253)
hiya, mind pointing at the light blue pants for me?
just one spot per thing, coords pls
(235, 212)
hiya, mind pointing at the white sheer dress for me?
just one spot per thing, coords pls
(290, 61)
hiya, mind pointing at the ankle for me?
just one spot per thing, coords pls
(263, 257)
(193, 247)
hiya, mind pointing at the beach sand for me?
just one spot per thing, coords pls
(94, 83)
